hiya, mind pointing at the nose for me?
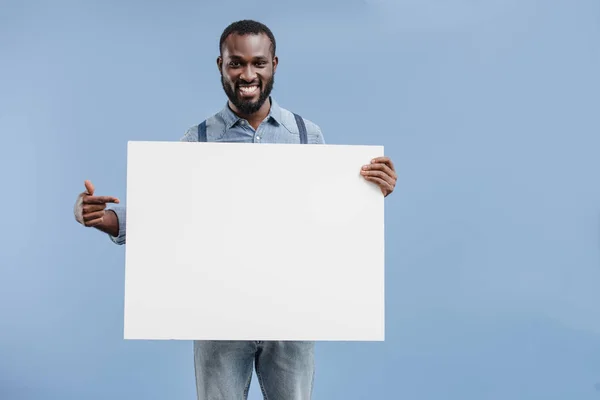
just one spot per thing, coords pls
(248, 74)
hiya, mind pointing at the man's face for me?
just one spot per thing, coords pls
(247, 71)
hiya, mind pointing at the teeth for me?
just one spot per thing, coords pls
(248, 89)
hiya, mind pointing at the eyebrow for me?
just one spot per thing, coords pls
(236, 57)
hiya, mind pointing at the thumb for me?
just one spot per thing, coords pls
(89, 188)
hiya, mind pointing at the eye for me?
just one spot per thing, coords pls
(261, 64)
(234, 64)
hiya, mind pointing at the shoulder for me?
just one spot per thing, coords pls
(191, 135)
(315, 135)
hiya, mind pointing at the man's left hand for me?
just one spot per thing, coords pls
(381, 172)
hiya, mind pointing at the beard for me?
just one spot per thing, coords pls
(248, 107)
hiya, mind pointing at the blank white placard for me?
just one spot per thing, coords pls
(231, 241)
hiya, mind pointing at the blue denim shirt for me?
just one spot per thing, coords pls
(278, 127)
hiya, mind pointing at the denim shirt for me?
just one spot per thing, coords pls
(278, 127)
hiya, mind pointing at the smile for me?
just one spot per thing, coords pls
(248, 90)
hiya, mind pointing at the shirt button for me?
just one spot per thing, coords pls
(258, 138)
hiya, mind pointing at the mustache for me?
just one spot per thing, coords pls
(243, 83)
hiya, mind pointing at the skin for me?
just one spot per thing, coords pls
(93, 211)
(381, 172)
(245, 60)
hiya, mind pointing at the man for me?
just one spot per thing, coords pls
(247, 64)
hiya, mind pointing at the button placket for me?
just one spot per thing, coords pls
(258, 134)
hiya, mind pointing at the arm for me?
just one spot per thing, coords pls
(109, 224)
(90, 211)
(315, 135)
(115, 225)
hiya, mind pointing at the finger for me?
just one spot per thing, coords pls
(89, 187)
(100, 200)
(383, 185)
(93, 216)
(93, 222)
(381, 167)
(381, 174)
(90, 208)
(384, 160)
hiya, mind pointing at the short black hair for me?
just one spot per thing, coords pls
(247, 27)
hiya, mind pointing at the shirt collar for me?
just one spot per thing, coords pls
(231, 118)
(275, 111)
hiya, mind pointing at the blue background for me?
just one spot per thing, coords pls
(490, 110)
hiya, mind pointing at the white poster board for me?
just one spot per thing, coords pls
(230, 241)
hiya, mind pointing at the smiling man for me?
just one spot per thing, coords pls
(247, 65)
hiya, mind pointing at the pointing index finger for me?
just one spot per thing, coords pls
(100, 200)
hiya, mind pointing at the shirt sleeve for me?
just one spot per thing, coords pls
(121, 213)
(319, 139)
(191, 135)
(315, 135)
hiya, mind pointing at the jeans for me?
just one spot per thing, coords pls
(285, 370)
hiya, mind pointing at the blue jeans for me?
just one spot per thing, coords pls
(285, 370)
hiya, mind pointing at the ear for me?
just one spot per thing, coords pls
(275, 63)
(220, 63)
